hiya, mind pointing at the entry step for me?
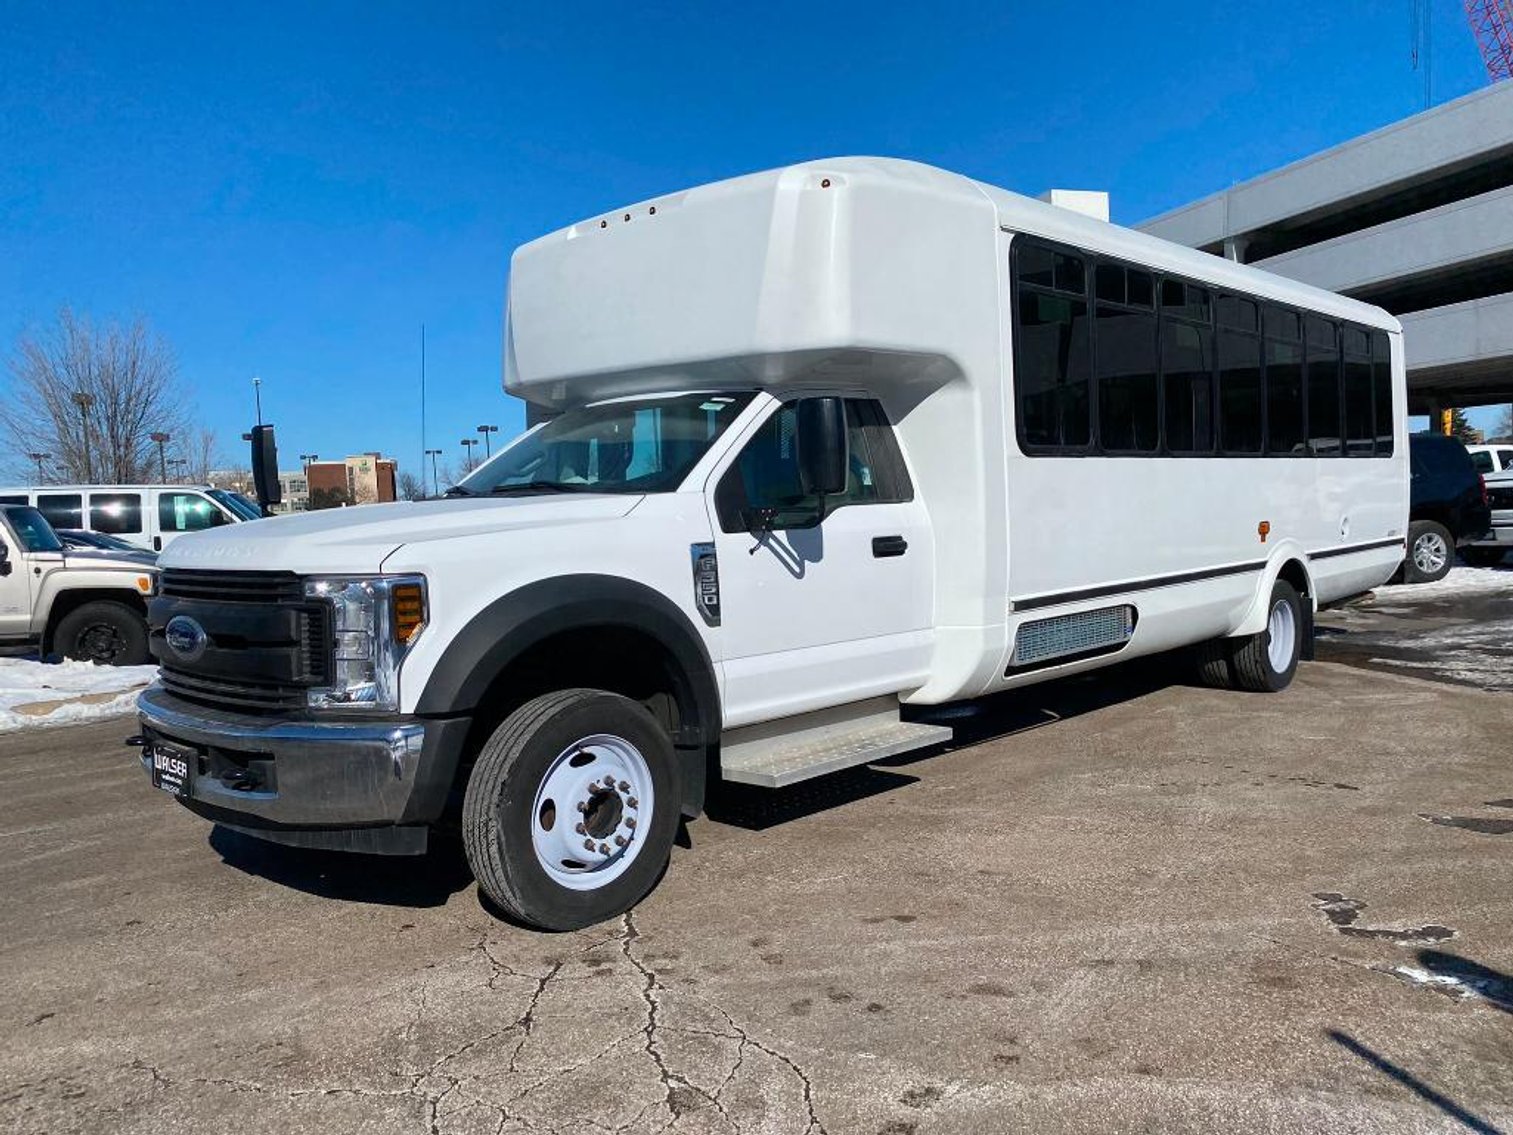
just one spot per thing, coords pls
(801, 753)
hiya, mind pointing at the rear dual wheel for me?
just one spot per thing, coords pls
(1263, 662)
(571, 809)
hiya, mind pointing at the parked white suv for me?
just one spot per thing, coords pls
(149, 516)
(1491, 458)
(89, 605)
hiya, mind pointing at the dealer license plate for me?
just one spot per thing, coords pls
(172, 768)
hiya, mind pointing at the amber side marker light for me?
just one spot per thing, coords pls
(144, 584)
(409, 611)
(1263, 530)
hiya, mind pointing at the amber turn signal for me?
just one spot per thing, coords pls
(409, 611)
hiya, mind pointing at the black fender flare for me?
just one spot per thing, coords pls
(513, 623)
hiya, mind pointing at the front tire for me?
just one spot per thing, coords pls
(108, 634)
(571, 809)
(1431, 549)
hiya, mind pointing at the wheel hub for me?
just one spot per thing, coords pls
(588, 808)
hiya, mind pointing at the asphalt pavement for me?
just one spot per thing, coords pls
(1122, 904)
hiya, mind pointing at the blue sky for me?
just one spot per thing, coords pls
(291, 191)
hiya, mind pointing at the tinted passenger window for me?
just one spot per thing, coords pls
(62, 510)
(1239, 391)
(1323, 387)
(186, 512)
(1284, 397)
(19, 499)
(1187, 366)
(1128, 415)
(1482, 460)
(116, 514)
(1053, 369)
(1381, 380)
(766, 474)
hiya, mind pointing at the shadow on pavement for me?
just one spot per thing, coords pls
(388, 880)
(1492, 986)
(1413, 1084)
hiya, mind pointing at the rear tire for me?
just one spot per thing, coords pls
(571, 809)
(1266, 662)
(106, 633)
(1431, 549)
(1481, 556)
(1212, 660)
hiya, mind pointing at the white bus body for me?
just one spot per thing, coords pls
(150, 516)
(1048, 444)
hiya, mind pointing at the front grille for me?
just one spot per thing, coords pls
(267, 644)
(232, 586)
(240, 694)
(1500, 498)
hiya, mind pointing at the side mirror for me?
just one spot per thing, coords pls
(5, 559)
(823, 459)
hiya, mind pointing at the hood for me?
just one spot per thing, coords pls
(359, 539)
(106, 558)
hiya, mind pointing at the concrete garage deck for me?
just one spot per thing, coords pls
(1143, 907)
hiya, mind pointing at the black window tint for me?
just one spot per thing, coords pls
(1036, 265)
(62, 510)
(1071, 274)
(1356, 341)
(877, 464)
(116, 514)
(1483, 461)
(1187, 365)
(1128, 418)
(1284, 398)
(1282, 324)
(1323, 387)
(20, 499)
(1141, 288)
(1360, 423)
(1173, 295)
(1237, 312)
(1381, 380)
(1053, 368)
(1109, 283)
(1239, 392)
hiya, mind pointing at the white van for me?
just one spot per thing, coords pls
(832, 442)
(151, 516)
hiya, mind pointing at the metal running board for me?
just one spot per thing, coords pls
(785, 752)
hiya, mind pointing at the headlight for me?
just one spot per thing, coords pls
(374, 622)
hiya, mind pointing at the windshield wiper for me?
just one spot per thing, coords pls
(459, 491)
(543, 487)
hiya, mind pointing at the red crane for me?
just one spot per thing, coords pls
(1492, 25)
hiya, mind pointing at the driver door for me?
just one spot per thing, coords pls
(15, 588)
(815, 615)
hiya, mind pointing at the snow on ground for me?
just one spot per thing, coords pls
(35, 693)
(1461, 581)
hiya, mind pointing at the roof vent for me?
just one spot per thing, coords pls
(1089, 202)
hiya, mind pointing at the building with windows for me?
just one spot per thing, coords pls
(1416, 217)
(367, 478)
(294, 491)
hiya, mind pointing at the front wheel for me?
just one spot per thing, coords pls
(1430, 550)
(109, 634)
(571, 809)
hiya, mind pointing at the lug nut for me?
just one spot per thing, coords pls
(625, 786)
(582, 805)
(588, 845)
(633, 802)
(609, 782)
(619, 841)
(604, 849)
(581, 830)
(630, 822)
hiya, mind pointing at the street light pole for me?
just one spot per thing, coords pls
(467, 452)
(160, 438)
(257, 394)
(38, 458)
(488, 450)
(84, 402)
(433, 454)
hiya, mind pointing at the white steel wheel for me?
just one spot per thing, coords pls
(589, 809)
(571, 809)
(1266, 662)
(1281, 635)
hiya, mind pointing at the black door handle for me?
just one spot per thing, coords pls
(885, 546)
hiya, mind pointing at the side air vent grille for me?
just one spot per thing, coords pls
(1086, 632)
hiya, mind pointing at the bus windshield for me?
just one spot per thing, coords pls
(645, 445)
(239, 505)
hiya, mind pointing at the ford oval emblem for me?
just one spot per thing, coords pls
(185, 637)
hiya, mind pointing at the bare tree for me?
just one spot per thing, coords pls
(1504, 428)
(198, 453)
(411, 488)
(92, 397)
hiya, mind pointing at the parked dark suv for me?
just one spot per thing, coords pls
(1447, 506)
